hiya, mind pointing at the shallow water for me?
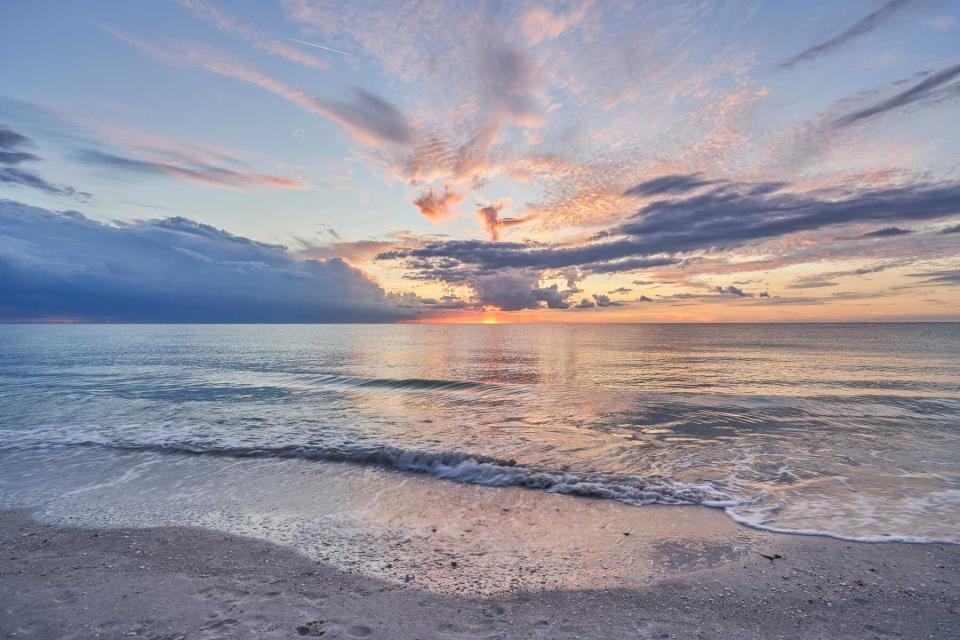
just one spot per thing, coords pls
(844, 430)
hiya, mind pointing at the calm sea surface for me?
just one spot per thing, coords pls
(845, 430)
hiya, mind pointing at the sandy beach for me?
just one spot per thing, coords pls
(182, 582)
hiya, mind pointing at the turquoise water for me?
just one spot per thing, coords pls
(847, 430)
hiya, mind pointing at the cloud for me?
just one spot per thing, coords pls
(621, 290)
(62, 264)
(12, 154)
(493, 223)
(672, 184)
(954, 229)
(729, 215)
(492, 256)
(446, 302)
(373, 116)
(12, 145)
(506, 77)
(540, 24)
(515, 289)
(736, 213)
(367, 117)
(824, 280)
(605, 301)
(865, 25)
(225, 22)
(946, 277)
(644, 299)
(816, 282)
(930, 88)
(353, 251)
(202, 173)
(438, 206)
(733, 291)
(585, 303)
(886, 232)
(505, 93)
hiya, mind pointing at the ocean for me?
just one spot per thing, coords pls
(843, 430)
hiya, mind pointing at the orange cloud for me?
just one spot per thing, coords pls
(493, 223)
(438, 206)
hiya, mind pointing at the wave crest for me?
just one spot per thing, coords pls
(480, 470)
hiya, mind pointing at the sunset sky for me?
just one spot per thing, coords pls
(306, 161)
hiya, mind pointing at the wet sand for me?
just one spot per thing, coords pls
(190, 582)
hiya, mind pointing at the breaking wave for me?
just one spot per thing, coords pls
(474, 469)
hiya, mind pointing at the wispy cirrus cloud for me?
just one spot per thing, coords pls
(365, 116)
(205, 174)
(863, 26)
(216, 16)
(936, 86)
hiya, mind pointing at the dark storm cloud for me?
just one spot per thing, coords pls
(12, 153)
(865, 25)
(934, 87)
(62, 264)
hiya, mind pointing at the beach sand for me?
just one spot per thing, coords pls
(189, 582)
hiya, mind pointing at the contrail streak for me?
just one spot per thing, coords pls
(314, 44)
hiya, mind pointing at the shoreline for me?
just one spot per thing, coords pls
(191, 582)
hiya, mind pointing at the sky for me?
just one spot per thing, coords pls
(439, 161)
